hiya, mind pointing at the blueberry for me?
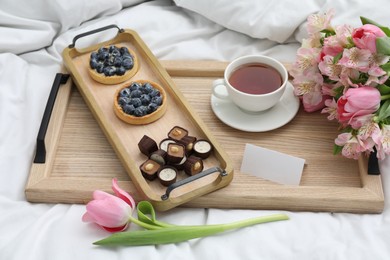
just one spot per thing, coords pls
(124, 92)
(117, 61)
(102, 49)
(122, 101)
(157, 100)
(109, 61)
(145, 99)
(93, 63)
(136, 102)
(116, 53)
(127, 56)
(102, 56)
(109, 71)
(120, 71)
(100, 67)
(154, 93)
(128, 63)
(94, 56)
(148, 88)
(124, 50)
(106, 71)
(140, 111)
(129, 109)
(152, 107)
(135, 86)
(135, 93)
(112, 48)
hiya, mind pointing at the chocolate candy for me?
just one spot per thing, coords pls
(180, 166)
(177, 133)
(175, 153)
(164, 143)
(193, 165)
(167, 175)
(159, 156)
(149, 169)
(202, 148)
(188, 142)
(147, 145)
(178, 152)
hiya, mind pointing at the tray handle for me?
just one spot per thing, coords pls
(373, 164)
(192, 178)
(40, 154)
(93, 32)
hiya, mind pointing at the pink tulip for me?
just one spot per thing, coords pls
(108, 211)
(357, 104)
(365, 37)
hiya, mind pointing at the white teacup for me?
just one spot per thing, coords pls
(251, 102)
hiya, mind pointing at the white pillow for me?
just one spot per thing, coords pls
(273, 20)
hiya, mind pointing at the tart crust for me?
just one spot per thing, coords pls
(149, 118)
(115, 79)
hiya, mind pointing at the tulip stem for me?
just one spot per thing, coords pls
(177, 234)
(384, 97)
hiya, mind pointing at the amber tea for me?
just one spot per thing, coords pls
(256, 78)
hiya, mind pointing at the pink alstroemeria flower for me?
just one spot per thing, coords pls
(331, 109)
(356, 58)
(365, 37)
(329, 68)
(382, 139)
(356, 104)
(352, 146)
(108, 211)
(318, 22)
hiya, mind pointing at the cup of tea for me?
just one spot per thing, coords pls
(254, 83)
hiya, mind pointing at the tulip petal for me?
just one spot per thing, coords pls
(87, 218)
(122, 194)
(115, 229)
(109, 212)
(101, 195)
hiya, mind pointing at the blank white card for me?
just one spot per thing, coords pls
(271, 165)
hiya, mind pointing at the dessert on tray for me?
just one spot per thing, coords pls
(112, 64)
(173, 155)
(140, 102)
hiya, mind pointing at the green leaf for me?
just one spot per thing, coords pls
(146, 214)
(328, 32)
(180, 233)
(384, 111)
(337, 57)
(337, 149)
(365, 20)
(386, 67)
(384, 89)
(383, 45)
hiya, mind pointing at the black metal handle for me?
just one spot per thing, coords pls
(373, 165)
(94, 31)
(190, 179)
(40, 154)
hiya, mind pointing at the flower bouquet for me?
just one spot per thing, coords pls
(344, 72)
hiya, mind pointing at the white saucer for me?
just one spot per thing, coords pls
(275, 117)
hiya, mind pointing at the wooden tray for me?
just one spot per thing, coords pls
(218, 170)
(82, 160)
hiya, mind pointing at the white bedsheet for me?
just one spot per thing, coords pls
(32, 37)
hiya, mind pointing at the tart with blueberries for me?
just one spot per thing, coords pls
(112, 64)
(140, 102)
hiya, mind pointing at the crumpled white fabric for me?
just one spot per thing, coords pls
(33, 35)
(263, 19)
